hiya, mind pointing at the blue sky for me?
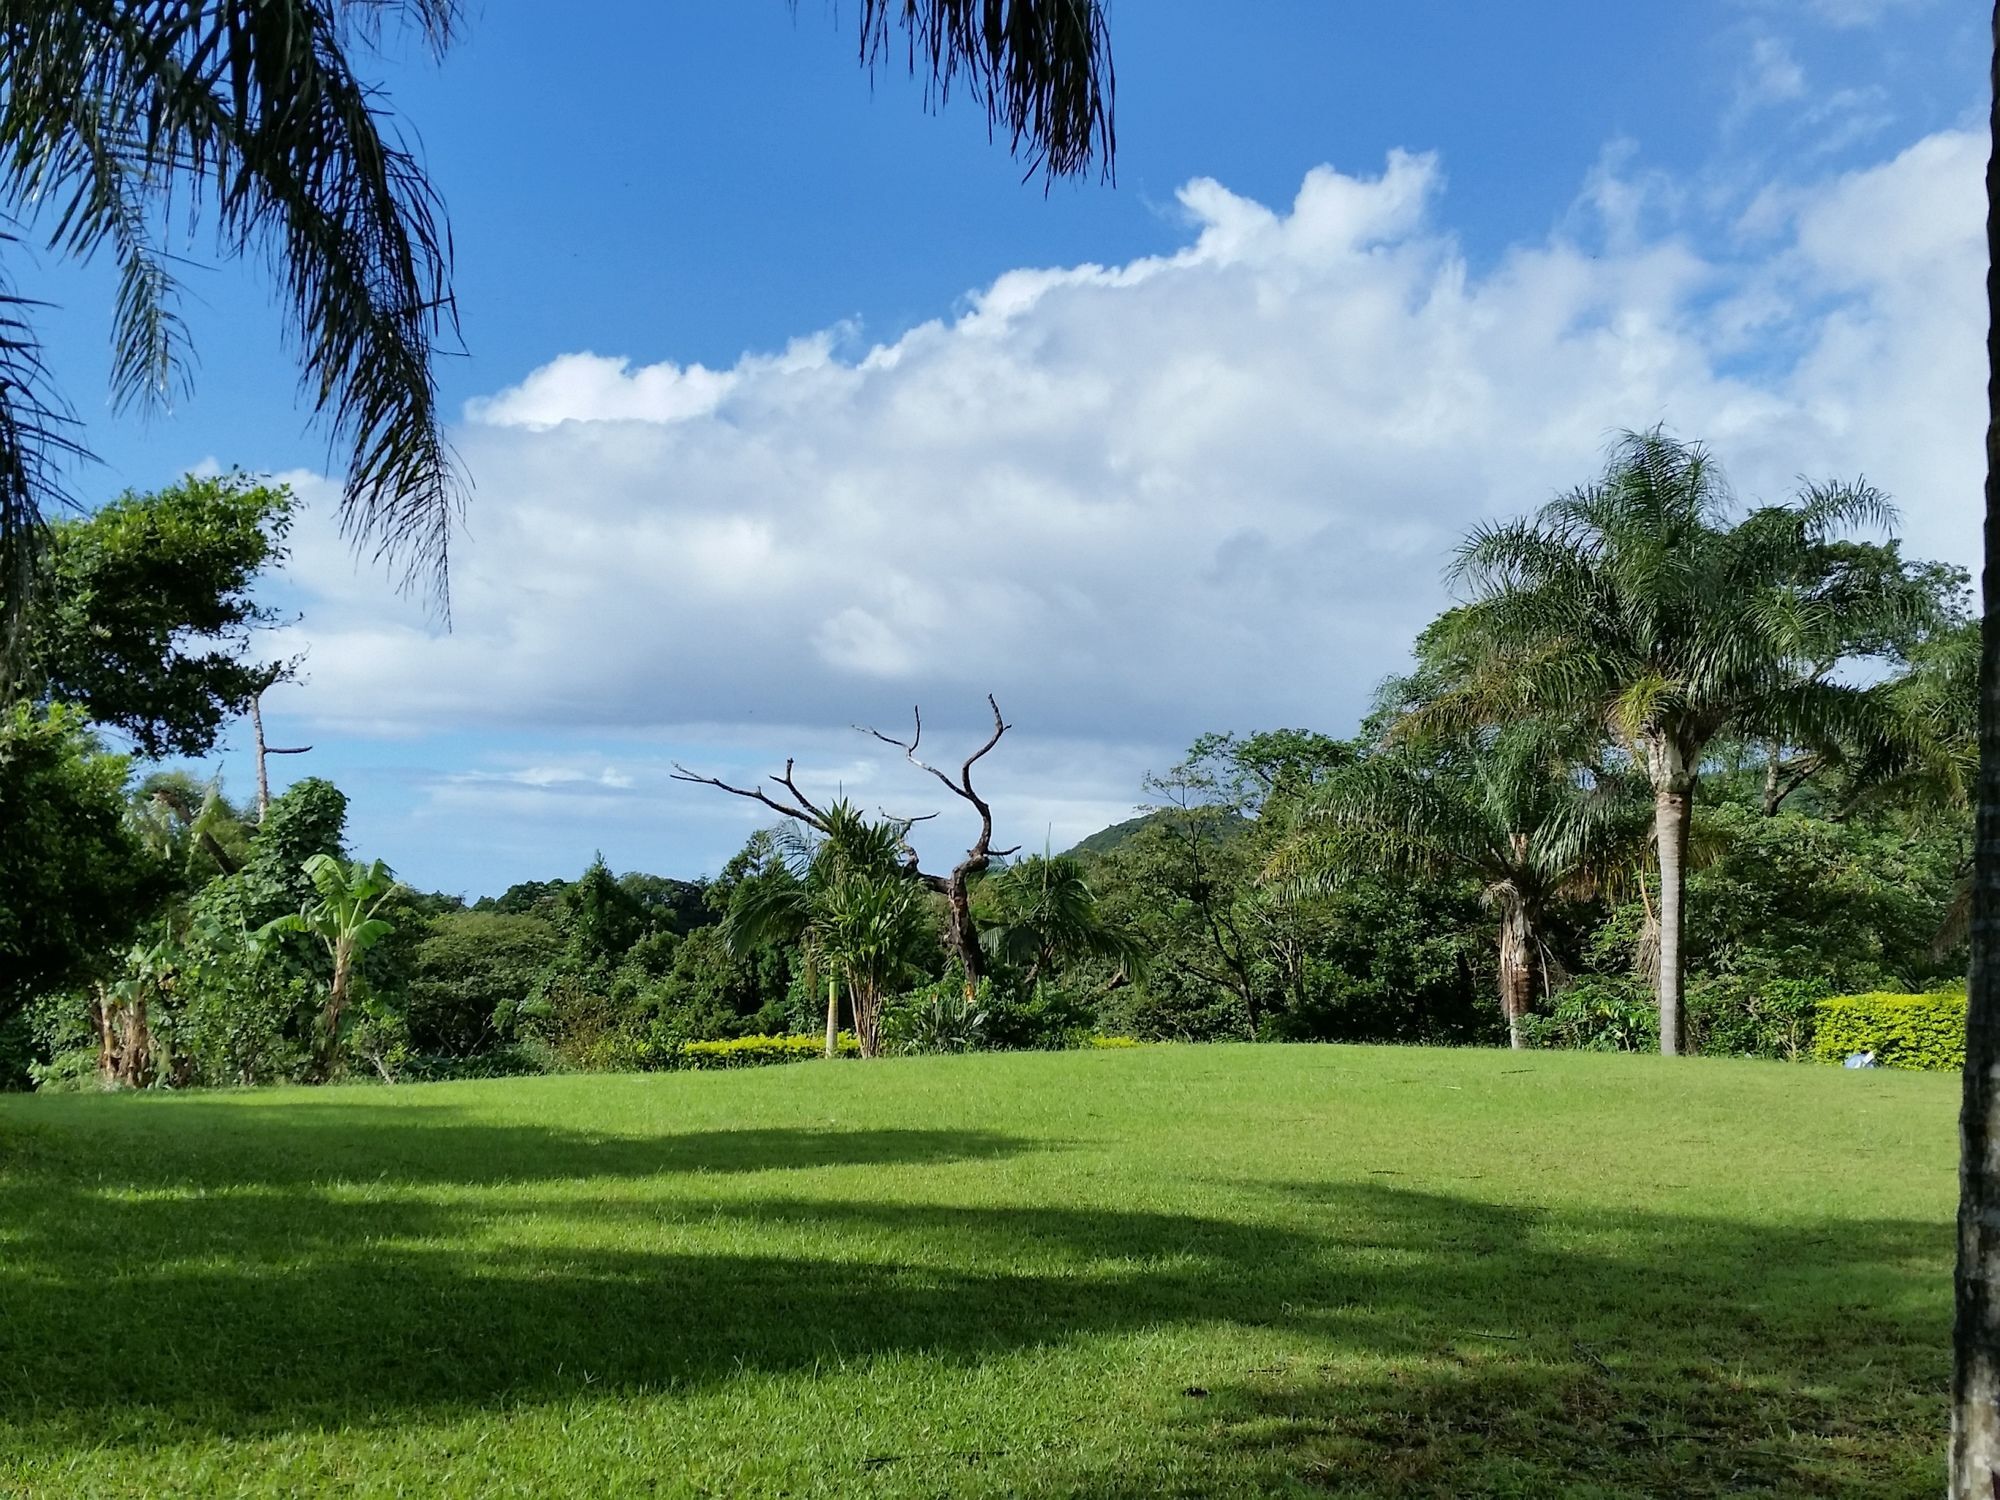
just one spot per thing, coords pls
(1433, 255)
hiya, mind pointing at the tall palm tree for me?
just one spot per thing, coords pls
(1975, 1389)
(1045, 915)
(1640, 602)
(1506, 807)
(256, 115)
(845, 897)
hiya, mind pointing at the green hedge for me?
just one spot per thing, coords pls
(1925, 1032)
(755, 1051)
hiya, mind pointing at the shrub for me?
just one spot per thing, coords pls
(938, 1018)
(1600, 1013)
(1116, 1041)
(1925, 1032)
(1053, 1014)
(755, 1051)
(1730, 1016)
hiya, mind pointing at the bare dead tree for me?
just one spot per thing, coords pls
(276, 674)
(956, 886)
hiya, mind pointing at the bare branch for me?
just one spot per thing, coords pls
(801, 809)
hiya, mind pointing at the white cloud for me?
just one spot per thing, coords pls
(1208, 489)
(1771, 75)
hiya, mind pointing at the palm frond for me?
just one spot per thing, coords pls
(256, 113)
(1041, 69)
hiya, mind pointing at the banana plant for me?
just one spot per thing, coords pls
(343, 917)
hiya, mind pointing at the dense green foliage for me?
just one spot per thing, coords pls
(74, 876)
(144, 612)
(1166, 1271)
(1923, 1032)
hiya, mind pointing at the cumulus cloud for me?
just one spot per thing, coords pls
(1212, 488)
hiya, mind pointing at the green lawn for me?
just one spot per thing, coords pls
(1178, 1271)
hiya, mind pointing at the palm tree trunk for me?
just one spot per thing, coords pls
(1975, 1385)
(867, 1007)
(1671, 807)
(832, 1015)
(1517, 979)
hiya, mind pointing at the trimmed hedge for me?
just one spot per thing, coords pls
(1924, 1032)
(755, 1051)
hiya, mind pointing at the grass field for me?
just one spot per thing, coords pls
(1179, 1271)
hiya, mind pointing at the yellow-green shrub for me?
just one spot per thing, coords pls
(1114, 1041)
(755, 1051)
(1925, 1032)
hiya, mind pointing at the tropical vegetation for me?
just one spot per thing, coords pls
(1670, 774)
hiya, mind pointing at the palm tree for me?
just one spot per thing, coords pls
(114, 113)
(1636, 603)
(1975, 1384)
(845, 897)
(1045, 916)
(343, 918)
(1505, 807)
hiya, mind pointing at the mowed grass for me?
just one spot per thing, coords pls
(1192, 1271)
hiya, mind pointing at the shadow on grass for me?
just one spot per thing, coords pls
(193, 1143)
(1433, 1343)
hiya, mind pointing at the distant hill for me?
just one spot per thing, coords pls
(1106, 839)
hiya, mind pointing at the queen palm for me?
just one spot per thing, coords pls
(1638, 602)
(1506, 807)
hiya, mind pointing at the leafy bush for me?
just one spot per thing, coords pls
(1925, 1032)
(755, 1051)
(1600, 1013)
(1116, 1041)
(938, 1018)
(1735, 1017)
(1054, 1014)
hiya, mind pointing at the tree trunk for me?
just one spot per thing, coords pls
(1975, 1385)
(963, 931)
(867, 1007)
(1773, 796)
(107, 1045)
(1517, 978)
(263, 776)
(832, 1016)
(1671, 807)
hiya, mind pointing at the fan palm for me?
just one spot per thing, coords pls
(1045, 915)
(1503, 806)
(846, 899)
(1637, 603)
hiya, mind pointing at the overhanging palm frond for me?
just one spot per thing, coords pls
(1041, 68)
(38, 438)
(114, 112)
